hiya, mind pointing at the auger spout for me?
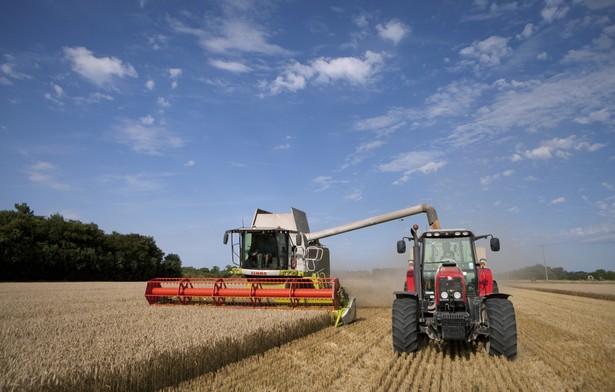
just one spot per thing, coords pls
(432, 219)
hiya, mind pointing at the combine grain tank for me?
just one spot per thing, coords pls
(279, 263)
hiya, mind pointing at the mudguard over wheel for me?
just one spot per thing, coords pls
(405, 325)
(502, 328)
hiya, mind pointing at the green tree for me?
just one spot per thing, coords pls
(171, 267)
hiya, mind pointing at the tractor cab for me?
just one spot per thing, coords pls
(446, 257)
(448, 248)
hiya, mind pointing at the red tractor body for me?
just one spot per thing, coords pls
(450, 295)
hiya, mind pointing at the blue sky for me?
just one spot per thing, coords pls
(178, 119)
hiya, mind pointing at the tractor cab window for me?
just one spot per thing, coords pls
(267, 250)
(441, 250)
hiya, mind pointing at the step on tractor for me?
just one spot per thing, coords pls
(280, 263)
(449, 294)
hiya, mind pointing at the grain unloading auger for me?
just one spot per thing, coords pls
(280, 263)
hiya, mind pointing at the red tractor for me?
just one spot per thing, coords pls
(450, 295)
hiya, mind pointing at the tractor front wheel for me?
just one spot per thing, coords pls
(405, 325)
(502, 328)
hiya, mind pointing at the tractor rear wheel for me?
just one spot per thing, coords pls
(502, 328)
(405, 325)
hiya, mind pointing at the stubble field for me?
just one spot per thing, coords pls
(566, 342)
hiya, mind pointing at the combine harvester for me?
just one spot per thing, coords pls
(280, 263)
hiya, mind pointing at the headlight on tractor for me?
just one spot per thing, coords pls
(450, 288)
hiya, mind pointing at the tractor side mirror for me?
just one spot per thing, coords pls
(495, 244)
(225, 240)
(298, 240)
(401, 246)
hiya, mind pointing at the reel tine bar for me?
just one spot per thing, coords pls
(316, 293)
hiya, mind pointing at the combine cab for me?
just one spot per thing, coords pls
(449, 294)
(280, 264)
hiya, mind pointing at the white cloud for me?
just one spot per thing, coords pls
(354, 196)
(514, 210)
(350, 69)
(353, 70)
(542, 56)
(487, 180)
(554, 9)
(361, 152)
(540, 105)
(96, 97)
(608, 186)
(495, 10)
(454, 99)
(147, 120)
(44, 173)
(140, 182)
(175, 73)
(411, 162)
(558, 200)
(8, 69)
(145, 138)
(559, 147)
(231, 66)
(150, 85)
(57, 95)
(393, 30)
(325, 182)
(387, 123)
(602, 115)
(485, 54)
(527, 32)
(98, 70)
(163, 103)
(233, 35)
(190, 163)
(58, 90)
(283, 146)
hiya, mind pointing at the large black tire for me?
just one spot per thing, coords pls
(502, 328)
(405, 325)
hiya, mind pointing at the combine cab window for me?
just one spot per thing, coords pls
(267, 250)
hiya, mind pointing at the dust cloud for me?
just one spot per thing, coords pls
(373, 289)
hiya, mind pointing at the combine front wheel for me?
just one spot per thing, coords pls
(502, 328)
(405, 325)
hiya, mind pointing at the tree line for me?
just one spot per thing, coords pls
(537, 272)
(37, 248)
(205, 272)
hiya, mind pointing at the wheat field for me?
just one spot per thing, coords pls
(565, 344)
(104, 336)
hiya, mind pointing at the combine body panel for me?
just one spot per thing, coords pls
(280, 263)
(449, 294)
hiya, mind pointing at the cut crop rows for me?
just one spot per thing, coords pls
(565, 343)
